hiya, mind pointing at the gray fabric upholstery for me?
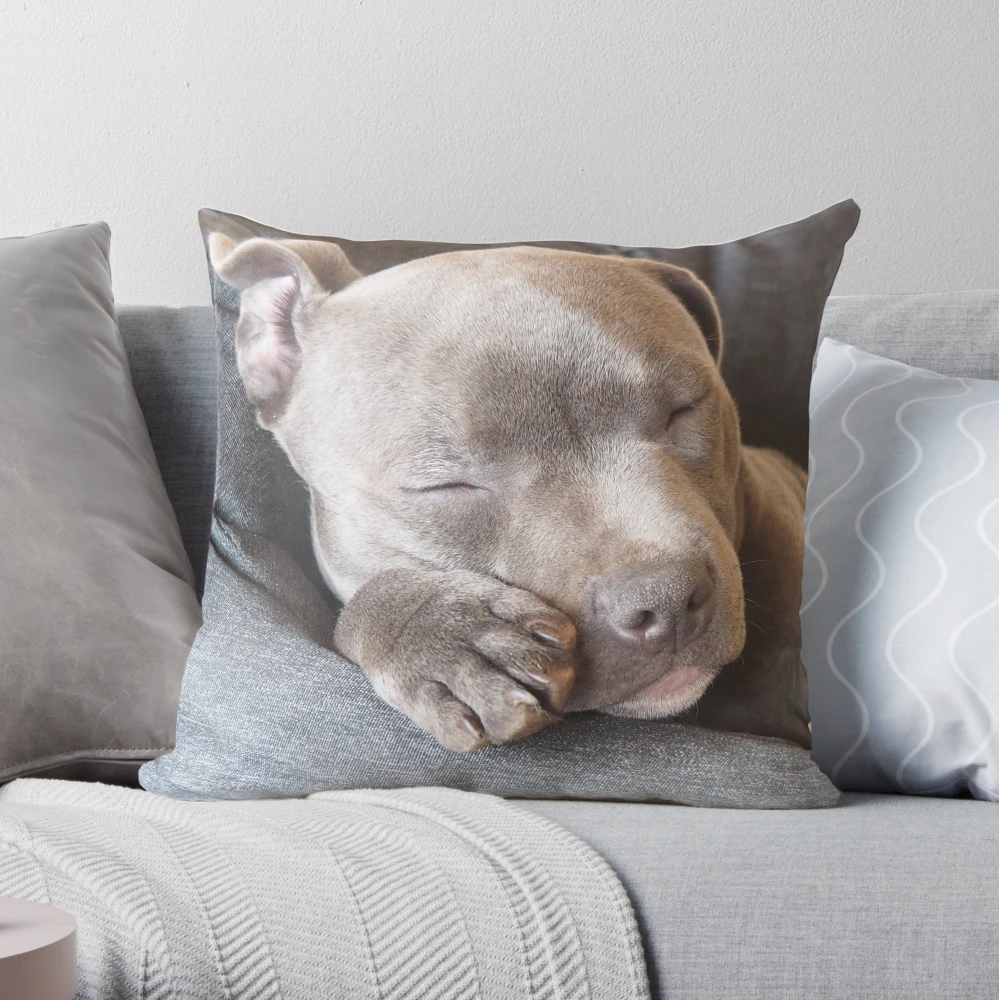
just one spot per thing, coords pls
(171, 353)
(268, 709)
(952, 333)
(886, 897)
(97, 604)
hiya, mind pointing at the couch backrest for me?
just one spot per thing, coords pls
(172, 356)
(171, 353)
(952, 333)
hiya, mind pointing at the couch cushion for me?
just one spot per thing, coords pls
(953, 333)
(424, 893)
(171, 353)
(886, 896)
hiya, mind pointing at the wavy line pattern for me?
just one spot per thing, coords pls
(810, 515)
(901, 625)
(970, 764)
(859, 532)
(917, 523)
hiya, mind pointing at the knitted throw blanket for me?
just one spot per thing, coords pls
(395, 895)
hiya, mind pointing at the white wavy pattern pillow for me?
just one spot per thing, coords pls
(900, 597)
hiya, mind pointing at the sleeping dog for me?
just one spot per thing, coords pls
(528, 487)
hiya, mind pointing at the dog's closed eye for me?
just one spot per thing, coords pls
(434, 474)
(678, 414)
(454, 486)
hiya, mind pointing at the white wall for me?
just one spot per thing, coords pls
(628, 121)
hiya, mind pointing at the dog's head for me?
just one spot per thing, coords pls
(553, 419)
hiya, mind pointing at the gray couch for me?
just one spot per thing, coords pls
(884, 896)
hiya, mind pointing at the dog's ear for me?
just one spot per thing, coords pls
(280, 281)
(695, 297)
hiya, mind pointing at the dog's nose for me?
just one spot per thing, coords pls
(661, 607)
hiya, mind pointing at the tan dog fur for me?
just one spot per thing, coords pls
(500, 443)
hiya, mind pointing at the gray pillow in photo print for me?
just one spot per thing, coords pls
(900, 599)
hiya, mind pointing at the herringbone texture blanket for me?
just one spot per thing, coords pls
(399, 895)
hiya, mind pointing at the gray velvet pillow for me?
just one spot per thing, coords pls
(267, 709)
(97, 604)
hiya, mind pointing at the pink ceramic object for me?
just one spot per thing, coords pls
(37, 952)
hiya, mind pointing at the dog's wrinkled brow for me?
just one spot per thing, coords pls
(678, 380)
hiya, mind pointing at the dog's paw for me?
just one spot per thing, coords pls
(468, 658)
